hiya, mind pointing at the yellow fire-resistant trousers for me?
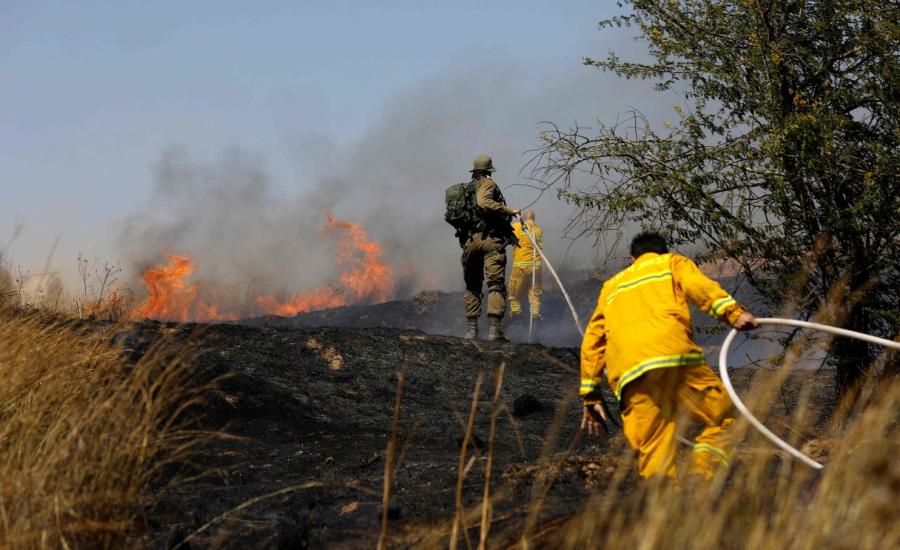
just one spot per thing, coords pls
(519, 283)
(655, 403)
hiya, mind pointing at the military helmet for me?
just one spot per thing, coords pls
(484, 163)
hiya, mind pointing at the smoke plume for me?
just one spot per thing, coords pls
(249, 235)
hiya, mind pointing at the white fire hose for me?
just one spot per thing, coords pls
(534, 281)
(723, 372)
(531, 299)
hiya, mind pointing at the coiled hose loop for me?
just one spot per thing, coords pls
(723, 372)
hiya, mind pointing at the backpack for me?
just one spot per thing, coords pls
(460, 209)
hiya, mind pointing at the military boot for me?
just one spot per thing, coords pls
(496, 332)
(472, 331)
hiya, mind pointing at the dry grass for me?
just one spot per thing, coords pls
(766, 501)
(81, 433)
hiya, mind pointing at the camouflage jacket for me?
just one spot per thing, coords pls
(495, 215)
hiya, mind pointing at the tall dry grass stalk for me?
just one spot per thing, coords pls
(389, 467)
(489, 466)
(82, 432)
(767, 500)
(459, 516)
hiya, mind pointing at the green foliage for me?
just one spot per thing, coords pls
(783, 152)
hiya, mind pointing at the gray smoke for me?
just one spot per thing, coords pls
(250, 235)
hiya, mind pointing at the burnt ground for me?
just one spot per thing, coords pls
(313, 405)
(307, 408)
(437, 312)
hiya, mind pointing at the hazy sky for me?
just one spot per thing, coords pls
(93, 92)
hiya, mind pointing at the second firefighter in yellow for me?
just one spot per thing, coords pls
(641, 333)
(526, 265)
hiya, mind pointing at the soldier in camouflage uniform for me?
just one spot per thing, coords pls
(484, 251)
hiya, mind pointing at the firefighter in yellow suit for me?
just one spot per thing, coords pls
(525, 260)
(641, 333)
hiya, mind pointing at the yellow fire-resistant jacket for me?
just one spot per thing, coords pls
(642, 321)
(525, 251)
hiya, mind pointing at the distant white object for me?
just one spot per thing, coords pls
(42, 288)
(6, 281)
(723, 371)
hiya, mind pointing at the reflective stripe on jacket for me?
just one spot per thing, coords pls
(642, 321)
(525, 251)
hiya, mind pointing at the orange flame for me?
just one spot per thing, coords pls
(169, 295)
(369, 279)
(308, 301)
(364, 278)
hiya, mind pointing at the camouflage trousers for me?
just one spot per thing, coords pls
(484, 261)
(519, 284)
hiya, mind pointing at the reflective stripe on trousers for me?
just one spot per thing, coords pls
(656, 404)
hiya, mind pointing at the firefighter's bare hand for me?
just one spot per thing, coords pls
(745, 321)
(594, 419)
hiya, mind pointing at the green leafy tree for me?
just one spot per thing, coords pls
(782, 151)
